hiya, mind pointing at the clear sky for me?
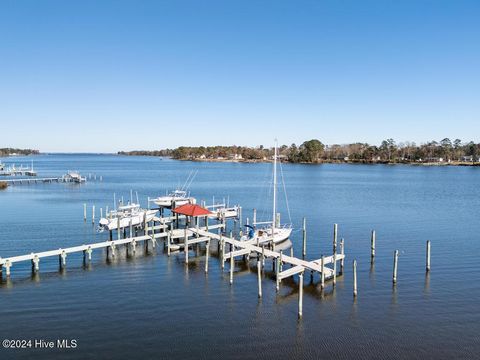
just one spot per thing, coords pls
(121, 75)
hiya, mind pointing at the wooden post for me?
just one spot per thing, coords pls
(112, 249)
(145, 224)
(342, 251)
(119, 235)
(300, 295)
(304, 251)
(134, 246)
(259, 273)
(62, 258)
(263, 256)
(322, 283)
(372, 248)
(222, 246)
(232, 265)
(281, 261)
(168, 242)
(152, 236)
(131, 228)
(186, 245)
(395, 266)
(84, 212)
(7, 265)
(89, 254)
(335, 268)
(354, 278)
(335, 231)
(35, 266)
(277, 270)
(254, 217)
(93, 214)
(428, 256)
(207, 251)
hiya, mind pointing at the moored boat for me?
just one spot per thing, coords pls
(272, 231)
(124, 216)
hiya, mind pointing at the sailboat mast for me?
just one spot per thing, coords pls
(274, 215)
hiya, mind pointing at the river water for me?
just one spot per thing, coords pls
(153, 306)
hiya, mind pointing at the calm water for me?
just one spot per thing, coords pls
(155, 307)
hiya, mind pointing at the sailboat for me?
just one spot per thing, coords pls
(275, 232)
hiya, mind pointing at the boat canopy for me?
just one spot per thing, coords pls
(191, 210)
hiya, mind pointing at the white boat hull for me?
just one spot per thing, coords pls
(280, 235)
(135, 219)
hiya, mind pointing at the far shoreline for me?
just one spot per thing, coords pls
(335, 162)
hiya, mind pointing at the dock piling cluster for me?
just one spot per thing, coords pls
(192, 235)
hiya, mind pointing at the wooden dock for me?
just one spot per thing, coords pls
(36, 180)
(182, 239)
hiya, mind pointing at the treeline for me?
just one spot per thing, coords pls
(166, 152)
(12, 151)
(314, 151)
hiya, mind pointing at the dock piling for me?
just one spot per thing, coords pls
(335, 231)
(185, 244)
(395, 266)
(335, 268)
(304, 251)
(169, 237)
(232, 265)
(428, 256)
(322, 281)
(354, 278)
(207, 251)
(342, 251)
(93, 214)
(259, 275)
(88, 254)
(300, 295)
(372, 246)
(62, 259)
(35, 264)
(222, 245)
(84, 212)
(7, 265)
(131, 228)
(119, 235)
(281, 261)
(278, 263)
(112, 250)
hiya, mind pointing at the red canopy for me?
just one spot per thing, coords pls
(191, 210)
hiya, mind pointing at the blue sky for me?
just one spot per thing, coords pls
(120, 75)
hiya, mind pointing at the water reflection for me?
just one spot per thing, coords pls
(426, 286)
